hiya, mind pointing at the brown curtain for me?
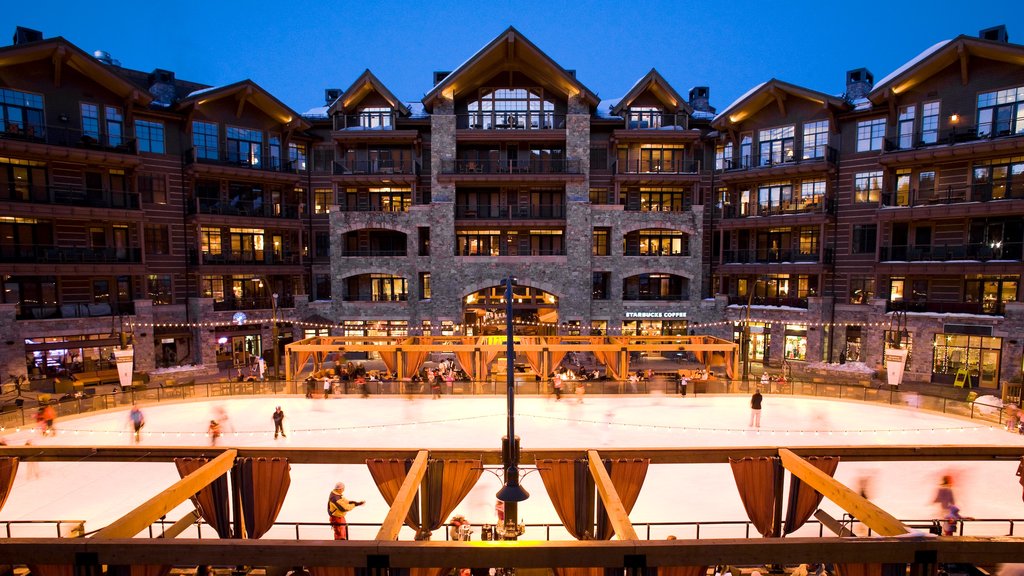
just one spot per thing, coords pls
(51, 569)
(389, 475)
(627, 477)
(150, 570)
(264, 484)
(571, 489)
(390, 359)
(413, 360)
(682, 570)
(755, 479)
(859, 569)
(489, 356)
(730, 365)
(610, 359)
(532, 357)
(331, 571)
(8, 470)
(212, 501)
(448, 482)
(465, 358)
(804, 500)
(579, 571)
(300, 362)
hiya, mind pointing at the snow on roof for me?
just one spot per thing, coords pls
(205, 90)
(861, 104)
(318, 112)
(604, 108)
(912, 62)
(702, 115)
(740, 99)
(416, 110)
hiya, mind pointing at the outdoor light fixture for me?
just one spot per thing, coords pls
(511, 493)
(954, 118)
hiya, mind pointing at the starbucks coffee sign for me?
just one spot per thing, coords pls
(656, 314)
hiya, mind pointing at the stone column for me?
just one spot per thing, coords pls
(1013, 324)
(12, 345)
(143, 341)
(204, 340)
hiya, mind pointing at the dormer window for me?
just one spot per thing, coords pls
(644, 117)
(520, 108)
(375, 118)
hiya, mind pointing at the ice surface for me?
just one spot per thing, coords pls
(100, 492)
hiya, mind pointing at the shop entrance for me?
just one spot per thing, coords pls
(534, 311)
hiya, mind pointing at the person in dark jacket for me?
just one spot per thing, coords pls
(755, 409)
(279, 423)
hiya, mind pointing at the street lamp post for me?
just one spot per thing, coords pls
(274, 336)
(746, 329)
(511, 492)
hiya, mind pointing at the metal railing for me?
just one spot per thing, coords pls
(499, 212)
(656, 253)
(647, 166)
(67, 136)
(383, 120)
(373, 203)
(74, 310)
(769, 301)
(760, 256)
(511, 167)
(71, 196)
(69, 255)
(503, 249)
(378, 298)
(807, 205)
(954, 135)
(263, 162)
(253, 303)
(380, 166)
(992, 308)
(510, 120)
(981, 192)
(809, 155)
(985, 251)
(371, 252)
(256, 258)
(655, 120)
(237, 207)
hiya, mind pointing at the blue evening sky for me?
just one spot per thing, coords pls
(297, 48)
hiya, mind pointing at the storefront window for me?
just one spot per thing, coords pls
(852, 352)
(796, 342)
(977, 355)
(654, 328)
(760, 340)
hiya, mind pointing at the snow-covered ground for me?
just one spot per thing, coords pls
(100, 492)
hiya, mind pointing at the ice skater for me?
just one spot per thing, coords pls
(337, 507)
(581, 390)
(944, 495)
(214, 432)
(279, 422)
(138, 421)
(755, 409)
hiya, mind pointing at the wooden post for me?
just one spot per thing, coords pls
(403, 500)
(610, 497)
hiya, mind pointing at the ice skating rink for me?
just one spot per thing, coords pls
(100, 492)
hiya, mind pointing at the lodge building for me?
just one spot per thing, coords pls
(185, 211)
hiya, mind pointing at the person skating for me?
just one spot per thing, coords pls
(755, 409)
(214, 431)
(558, 386)
(337, 507)
(138, 421)
(944, 496)
(279, 423)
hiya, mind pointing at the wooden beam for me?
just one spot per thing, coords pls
(964, 60)
(403, 501)
(833, 524)
(181, 525)
(610, 497)
(59, 55)
(860, 508)
(158, 506)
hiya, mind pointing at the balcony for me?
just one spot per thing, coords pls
(633, 251)
(68, 137)
(71, 196)
(487, 166)
(983, 252)
(376, 297)
(960, 141)
(510, 120)
(654, 120)
(40, 254)
(230, 303)
(376, 203)
(808, 205)
(492, 212)
(253, 258)
(657, 167)
(504, 250)
(373, 253)
(754, 256)
(992, 307)
(249, 209)
(264, 163)
(768, 301)
(376, 167)
(784, 163)
(74, 310)
(376, 121)
(984, 192)
(649, 297)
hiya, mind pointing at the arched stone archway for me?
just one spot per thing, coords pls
(534, 309)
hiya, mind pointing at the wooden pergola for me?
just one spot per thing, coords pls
(404, 355)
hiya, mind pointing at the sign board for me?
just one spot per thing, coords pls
(895, 363)
(669, 314)
(963, 379)
(125, 360)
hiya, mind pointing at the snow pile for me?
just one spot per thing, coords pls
(849, 367)
(988, 405)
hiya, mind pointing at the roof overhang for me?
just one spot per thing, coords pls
(939, 57)
(62, 53)
(661, 89)
(511, 51)
(363, 86)
(248, 92)
(773, 91)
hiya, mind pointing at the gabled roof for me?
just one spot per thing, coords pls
(249, 92)
(510, 49)
(661, 89)
(61, 53)
(940, 56)
(772, 91)
(365, 84)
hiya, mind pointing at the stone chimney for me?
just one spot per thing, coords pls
(440, 75)
(995, 34)
(858, 83)
(161, 86)
(700, 99)
(332, 94)
(24, 35)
